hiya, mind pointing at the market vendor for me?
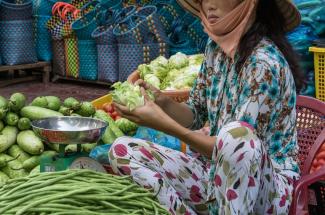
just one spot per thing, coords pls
(246, 90)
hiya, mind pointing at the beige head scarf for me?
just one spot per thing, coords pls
(228, 30)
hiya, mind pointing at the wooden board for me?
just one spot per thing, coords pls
(57, 77)
(44, 68)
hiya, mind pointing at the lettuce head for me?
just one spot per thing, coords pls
(178, 61)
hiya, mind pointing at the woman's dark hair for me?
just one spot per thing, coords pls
(269, 23)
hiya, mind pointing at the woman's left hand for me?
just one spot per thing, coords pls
(149, 115)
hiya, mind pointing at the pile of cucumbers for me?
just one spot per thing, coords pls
(20, 148)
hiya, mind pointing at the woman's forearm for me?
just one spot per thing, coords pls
(199, 142)
(180, 112)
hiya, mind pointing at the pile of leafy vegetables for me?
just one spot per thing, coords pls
(177, 72)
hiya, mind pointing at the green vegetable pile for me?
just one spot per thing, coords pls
(179, 72)
(20, 148)
(76, 192)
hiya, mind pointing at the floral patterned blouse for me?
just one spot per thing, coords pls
(263, 94)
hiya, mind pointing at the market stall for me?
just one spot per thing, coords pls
(55, 154)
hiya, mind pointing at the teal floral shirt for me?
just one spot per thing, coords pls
(262, 93)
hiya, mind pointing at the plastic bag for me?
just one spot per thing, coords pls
(100, 153)
(158, 137)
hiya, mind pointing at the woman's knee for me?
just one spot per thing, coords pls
(237, 142)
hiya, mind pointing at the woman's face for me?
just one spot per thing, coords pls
(215, 9)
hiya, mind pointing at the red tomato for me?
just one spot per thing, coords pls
(321, 162)
(108, 108)
(321, 155)
(118, 117)
(114, 114)
(323, 147)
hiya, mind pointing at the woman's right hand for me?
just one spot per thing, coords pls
(160, 99)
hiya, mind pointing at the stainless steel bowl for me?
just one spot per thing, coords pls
(69, 130)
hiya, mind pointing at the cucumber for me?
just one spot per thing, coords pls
(100, 114)
(40, 101)
(88, 147)
(16, 152)
(3, 162)
(24, 123)
(2, 125)
(4, 159)
(30, 143)
(71, 103)
(71, 148)
(14, 169)
(36, 170)
(53, 146)
(108, 136)
(12, 119)
(3, 178)
(65, 111)
(3, 107)
(53, 103)
(34, 161)
(17, 101)
(33, 112)
(86, 109)
(8, 137)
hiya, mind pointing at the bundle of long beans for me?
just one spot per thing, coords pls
(74, 192)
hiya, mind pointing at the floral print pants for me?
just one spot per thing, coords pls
(240, 179)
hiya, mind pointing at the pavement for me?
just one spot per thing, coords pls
(62, 89)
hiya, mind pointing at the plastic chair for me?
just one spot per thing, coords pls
(311, 136)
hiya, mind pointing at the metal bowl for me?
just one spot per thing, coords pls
(69, 130)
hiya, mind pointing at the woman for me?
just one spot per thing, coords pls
(246, 90)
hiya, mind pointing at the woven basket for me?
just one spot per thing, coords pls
(17, 42)
(10, 11)
(71, 56)
(85, 25)
(44, 7)
(88, 61)
(141, 27)
(43, 39)
(168, 12)
(132, 55)
(58, 58)
(176, 95)
(108, 62)
(113, 4)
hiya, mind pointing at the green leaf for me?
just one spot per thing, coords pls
(268, 177)
(110, 155)
(226, 167)
(122, 161)
(201, 207)
(158, 158)
(241, 145)
(238, 132)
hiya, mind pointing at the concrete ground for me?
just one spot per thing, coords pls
(62, 89)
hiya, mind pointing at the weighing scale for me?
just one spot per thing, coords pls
(69, 130)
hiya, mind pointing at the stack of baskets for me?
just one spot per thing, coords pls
(141, 38)
(16, 32)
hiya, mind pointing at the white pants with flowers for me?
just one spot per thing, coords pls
(239, 180)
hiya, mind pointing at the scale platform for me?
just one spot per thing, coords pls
(69, 130)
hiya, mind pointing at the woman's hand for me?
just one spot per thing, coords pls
(149, 115)
(160, 98)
